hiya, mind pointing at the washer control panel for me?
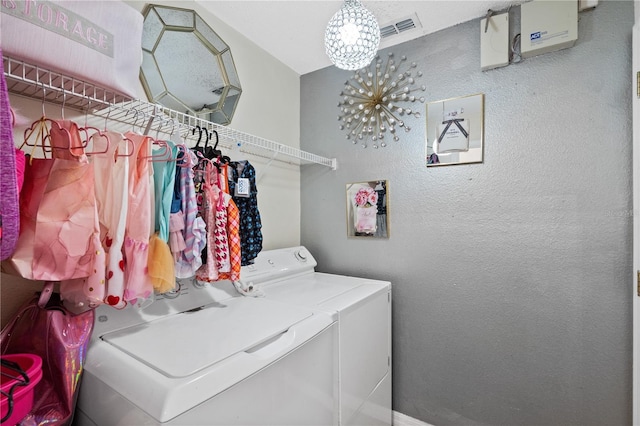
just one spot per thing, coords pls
(276, 264)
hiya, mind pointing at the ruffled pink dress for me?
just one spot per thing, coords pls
(138, 227)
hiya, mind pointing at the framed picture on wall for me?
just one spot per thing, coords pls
(455, 131)
(367, 209)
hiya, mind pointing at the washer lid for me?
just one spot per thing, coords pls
(327, 292)
(310, 289)
(183, 344)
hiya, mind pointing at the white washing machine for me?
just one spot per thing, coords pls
(207, 356)
(363, 307)
(316, 350)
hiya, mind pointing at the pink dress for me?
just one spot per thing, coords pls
(63, 246)
(138, 227)
(86, 291)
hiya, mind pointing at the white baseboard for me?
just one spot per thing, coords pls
(399, 419)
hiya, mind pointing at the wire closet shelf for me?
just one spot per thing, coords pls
(32, 81)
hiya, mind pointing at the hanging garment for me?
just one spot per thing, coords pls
(224, 178)
(20, 166)
(57, 239)
(233, 232)
(160, 265)
(82, 294)
(194, 233)
(176, 239)
(9, 207)
(164, 173)
(176, 217)
(112, 184)
(215, 215)
(221, 250)
(109, 191)
(250, 223)
(136, 240)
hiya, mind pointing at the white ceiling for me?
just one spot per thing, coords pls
(293, 30)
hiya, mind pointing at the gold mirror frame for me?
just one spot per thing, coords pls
(186, 66)
(368, 209)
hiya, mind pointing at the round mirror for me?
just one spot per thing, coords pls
(186, 66)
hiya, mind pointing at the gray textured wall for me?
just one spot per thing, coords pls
(512, 300)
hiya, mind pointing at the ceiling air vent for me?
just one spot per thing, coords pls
(399, 26)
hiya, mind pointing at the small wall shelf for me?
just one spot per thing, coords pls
(32, 81)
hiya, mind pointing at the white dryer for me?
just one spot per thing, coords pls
(363, 307)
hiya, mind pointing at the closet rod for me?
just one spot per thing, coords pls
(29, 80)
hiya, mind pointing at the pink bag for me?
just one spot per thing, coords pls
(45, 328)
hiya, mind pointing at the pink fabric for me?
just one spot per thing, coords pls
(138, 227)
(209, 271)
(20, 164)
(220, 233)
(57, 238)
(176, 240)
(221, 250)
(87, 293)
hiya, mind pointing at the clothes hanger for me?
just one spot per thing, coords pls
(135, 118)
(182, 158)
(215, 152)
(40, 130)
(86, 129)
(197, 147)
(180, 148)
(131, 145)
(165, 154)
(210, 152)
(224, 159)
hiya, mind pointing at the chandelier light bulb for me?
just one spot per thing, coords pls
(352, 36)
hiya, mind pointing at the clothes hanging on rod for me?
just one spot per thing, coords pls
(242, 186)
(136, 245)
(133, 182)
(193, 228)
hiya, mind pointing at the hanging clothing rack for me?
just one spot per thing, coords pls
(35, 82)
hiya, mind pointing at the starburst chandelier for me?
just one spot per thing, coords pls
(352, 36)
(373, 101)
